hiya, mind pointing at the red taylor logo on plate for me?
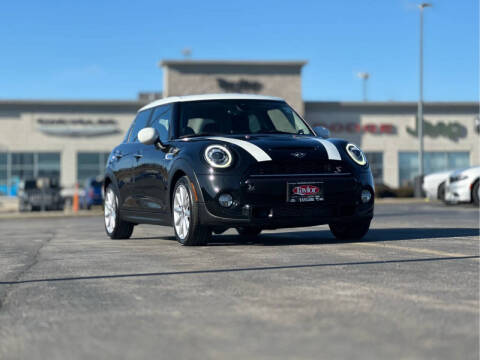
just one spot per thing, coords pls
(306, 190)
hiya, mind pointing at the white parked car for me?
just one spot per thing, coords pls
(463, 186)
(434, 184)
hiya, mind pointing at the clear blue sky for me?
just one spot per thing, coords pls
(110, 49)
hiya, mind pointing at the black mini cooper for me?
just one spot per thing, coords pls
(212, 162)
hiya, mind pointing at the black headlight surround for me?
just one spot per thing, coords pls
(457, 177)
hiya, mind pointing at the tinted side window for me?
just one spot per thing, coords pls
(161, 121)
(140, 122)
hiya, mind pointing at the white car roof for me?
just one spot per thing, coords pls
(174, 99)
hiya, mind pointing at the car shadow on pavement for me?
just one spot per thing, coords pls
(325, 237)
(152, 238)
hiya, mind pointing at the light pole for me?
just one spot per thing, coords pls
(364, 76)
(421, 6)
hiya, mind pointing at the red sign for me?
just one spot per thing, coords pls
(306, 190)
(360, 129)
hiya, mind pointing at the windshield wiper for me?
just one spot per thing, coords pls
(275, 132)
(197, 135)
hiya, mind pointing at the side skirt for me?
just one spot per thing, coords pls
(146, 217)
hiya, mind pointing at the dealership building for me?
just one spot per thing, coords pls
(71, 140)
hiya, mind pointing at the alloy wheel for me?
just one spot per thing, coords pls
(110, 210)
(181, 211)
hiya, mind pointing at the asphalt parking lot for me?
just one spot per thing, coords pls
(410, 290)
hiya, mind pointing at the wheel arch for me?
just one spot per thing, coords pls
(183, 169)
(472, 189)
(109, 179)
(440, 187)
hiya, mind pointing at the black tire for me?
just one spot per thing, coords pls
(196, 233)
(476, 194)
(441, 192)
(353, 230)
(249, 232)
(121, 229)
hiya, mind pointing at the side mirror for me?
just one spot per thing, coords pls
(322, 132)
(148, 136)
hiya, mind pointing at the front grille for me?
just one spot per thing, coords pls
(297, 167)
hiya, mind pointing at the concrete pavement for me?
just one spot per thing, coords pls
(410, 290)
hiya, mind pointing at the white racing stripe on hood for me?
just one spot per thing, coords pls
(332, 150)
(252, 149)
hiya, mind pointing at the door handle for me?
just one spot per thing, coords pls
(138, 156)
(118, 155)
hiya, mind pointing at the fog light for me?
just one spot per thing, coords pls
(225, 200)
(366, 196)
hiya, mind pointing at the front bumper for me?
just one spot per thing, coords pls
(261, 201)
(458, 191)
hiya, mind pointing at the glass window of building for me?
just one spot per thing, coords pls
(19, 166)
(375, 159)
(48, 165)
(3, 174)
(433, 162)
(90, 164)
(458, 160)
(22, 166)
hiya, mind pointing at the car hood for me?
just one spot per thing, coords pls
(472, 172)
(438, 176)
(279, 147)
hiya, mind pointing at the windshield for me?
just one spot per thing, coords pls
(228, 117)
(29, 184)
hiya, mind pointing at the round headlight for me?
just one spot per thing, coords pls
(218, 156)
(356, 154)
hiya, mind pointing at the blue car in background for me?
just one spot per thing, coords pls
(92, 193)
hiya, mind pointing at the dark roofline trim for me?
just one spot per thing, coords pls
(188, 62)
(42, 102)
(388, 103)
(136, 103)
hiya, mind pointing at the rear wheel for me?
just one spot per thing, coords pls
(476, 193)
(186, 221)
(249, 232)
(350, 230)
(115, 227)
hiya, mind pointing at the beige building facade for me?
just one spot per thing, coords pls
(274, 78)
(387, 133)
(70, 140)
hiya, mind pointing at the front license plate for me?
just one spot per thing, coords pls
(304, 192)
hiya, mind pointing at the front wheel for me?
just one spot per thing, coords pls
(186, 222)
(115, 227)
(351, 230)
(476, 193)
(441, 192)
